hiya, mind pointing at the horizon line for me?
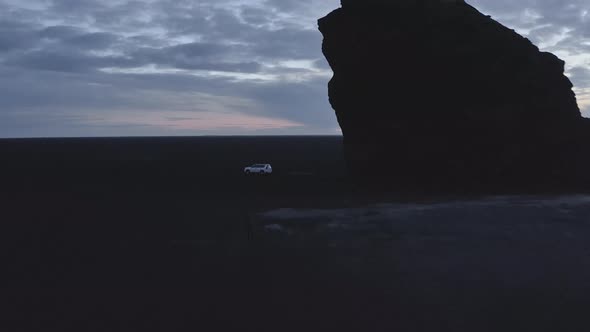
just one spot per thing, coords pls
(172, 136)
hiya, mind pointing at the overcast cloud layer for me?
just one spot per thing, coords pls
(180, 67)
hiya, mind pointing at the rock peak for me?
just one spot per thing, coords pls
(396, 3)
(436, 94)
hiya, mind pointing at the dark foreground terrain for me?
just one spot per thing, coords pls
(167, 235)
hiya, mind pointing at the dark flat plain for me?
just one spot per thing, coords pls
(165, 234)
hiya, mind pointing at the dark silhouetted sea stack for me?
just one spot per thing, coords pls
(435, 94)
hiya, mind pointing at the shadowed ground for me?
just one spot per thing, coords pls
(166, 234)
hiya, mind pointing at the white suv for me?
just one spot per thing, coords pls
(258, 169)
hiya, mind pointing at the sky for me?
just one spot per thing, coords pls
(87, 68)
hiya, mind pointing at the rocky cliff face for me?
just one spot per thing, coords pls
(433, 92)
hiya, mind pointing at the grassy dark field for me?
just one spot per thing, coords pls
(151, 233)
(167, 234)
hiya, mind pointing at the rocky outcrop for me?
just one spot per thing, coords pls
(434, 93)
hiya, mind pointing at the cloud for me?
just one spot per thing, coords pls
(93, 41)
(15, 35)
(561, 27)
(65, 61)
(88, 67)
(68, 102)
(60, 32)
(255, 16)
(580, 76)
(541, 20)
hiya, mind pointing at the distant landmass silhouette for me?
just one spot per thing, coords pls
(436, 94)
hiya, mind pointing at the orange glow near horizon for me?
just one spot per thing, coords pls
(205, 121)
